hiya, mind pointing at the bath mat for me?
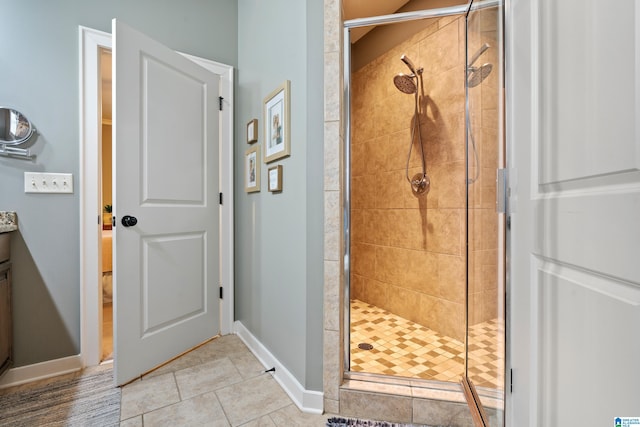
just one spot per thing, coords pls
(352, 422)
(88, 399)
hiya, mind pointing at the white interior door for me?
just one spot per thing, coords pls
(166, 151)
(573, 118)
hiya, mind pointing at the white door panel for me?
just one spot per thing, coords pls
(592, 229)
(589, 347)
(587, 74)
(181, 103)
(167, 262)
(166, 156)
(574, 111)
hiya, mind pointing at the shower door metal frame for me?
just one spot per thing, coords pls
(346, 212)
(472, 396)
(461, 10)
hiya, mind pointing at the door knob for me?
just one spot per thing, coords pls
(129, 221)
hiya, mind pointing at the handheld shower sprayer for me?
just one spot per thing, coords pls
(480, 51)
(409, 64)
(475, 75)
(408, 83)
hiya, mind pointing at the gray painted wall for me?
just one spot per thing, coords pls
(39, 76)
(279, 237)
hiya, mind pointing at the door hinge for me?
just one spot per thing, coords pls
(220, 198)
(501, 182)
(220, 292)
(220, 99)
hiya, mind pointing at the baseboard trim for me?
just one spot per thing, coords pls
(308, 401)
(40, 371)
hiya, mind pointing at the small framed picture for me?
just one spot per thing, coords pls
(275, 179)
(252, 131)
(276, 123)
(252, 169)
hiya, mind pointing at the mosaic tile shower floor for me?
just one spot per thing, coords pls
(407, 349)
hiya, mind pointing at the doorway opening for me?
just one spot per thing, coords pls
(106, 246)
(92, 44)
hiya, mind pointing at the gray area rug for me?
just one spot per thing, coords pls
(85, 400)
(352, 422)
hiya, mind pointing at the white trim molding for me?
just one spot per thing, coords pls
(226, 187)
(308, 401)
(40, 371)
(91, 41)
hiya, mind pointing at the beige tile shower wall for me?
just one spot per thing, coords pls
(333, 290)
(483, 220)
(408, 252)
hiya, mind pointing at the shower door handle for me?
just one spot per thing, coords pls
(129, 221)
(502, 192)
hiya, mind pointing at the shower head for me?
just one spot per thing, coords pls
(408, 63)
(475, 75)
(480, 51)
(405, 83)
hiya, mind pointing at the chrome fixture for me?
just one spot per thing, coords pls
(15, 130)
(475, 76)
(408, 83)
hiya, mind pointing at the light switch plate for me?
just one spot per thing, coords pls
(35, 182)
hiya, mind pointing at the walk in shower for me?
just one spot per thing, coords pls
(424, 236)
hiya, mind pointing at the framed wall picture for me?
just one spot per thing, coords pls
(252, 131)
(252, 169)
(276, 123)
(275, 179)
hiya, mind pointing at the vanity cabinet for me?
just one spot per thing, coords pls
(8, 223)
(5, 317)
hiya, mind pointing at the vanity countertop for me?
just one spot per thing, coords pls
(8, 221)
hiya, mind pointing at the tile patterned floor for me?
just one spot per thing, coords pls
(406, 349)
(219, 384)
(486, 354)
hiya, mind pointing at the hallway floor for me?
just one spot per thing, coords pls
(407, 349)
(218, 384)
(107, 331)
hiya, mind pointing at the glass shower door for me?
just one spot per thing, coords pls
(484, 380)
